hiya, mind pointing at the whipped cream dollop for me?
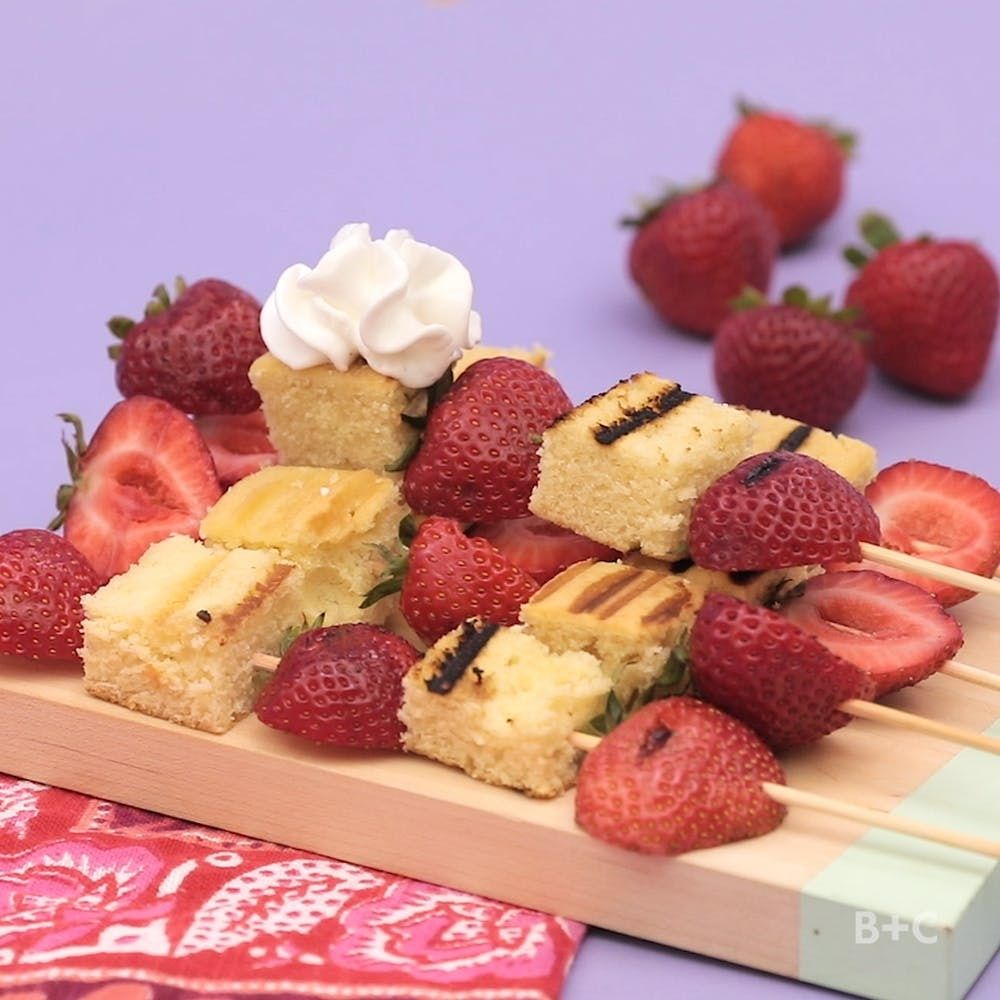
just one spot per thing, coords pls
(403, 306)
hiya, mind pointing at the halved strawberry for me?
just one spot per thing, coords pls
(146, 474)
(941, 514)
(539, 547)
(239, 444)
(769, 673)
(451, 577)
(895, 632)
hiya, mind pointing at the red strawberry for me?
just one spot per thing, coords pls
(451, 578)
(769, 673)
(931, 307)
(542, 549)
(341, 685)
(779, 509)
(940, 514)
(478, 460)
(795, 168)
(693, 253)
(42, 578)
(194, 352)
(895, 632)
(797, 359)
(676, 776)
(146, 474)
(239, 444)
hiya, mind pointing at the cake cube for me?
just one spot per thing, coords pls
(627, 617)
(173, 635)
(497, 703)
(537, 356)
(767, 587)
(332, 419)
(855, 460)
(340, 526)
(626, 467)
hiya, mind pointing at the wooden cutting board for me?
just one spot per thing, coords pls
(820, 899)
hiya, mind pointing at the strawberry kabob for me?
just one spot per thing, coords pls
(782, 509)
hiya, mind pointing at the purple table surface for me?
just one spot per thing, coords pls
(232, 139)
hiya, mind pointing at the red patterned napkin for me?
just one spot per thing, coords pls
(103, 902)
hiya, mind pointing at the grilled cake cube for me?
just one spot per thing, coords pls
(629, 618)
(855, 460)
(341, 526)
(766, 587)
(626, 467)
(174, 634)
(497, 703)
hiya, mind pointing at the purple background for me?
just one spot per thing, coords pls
(233, 138)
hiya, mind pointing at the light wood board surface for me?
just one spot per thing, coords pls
(414, 817)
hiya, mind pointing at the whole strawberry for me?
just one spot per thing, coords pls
(451, 577)
(478, 460)
(794, 168)
(797, 359)
(341, 685)
(193, 352)
(694, 252)
(930, 305)
(780, 509)
(146, 474)
(769, 673)
(42, 578)
(676, 776)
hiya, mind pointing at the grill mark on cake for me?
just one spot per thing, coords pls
(559, 582)
(455, 662)
(660, 405)
(762, 470)
(630, 593)
(264, 591)
(599, 598)
(668, 609)
(795, 438)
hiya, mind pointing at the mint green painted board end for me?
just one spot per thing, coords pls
(896, 918)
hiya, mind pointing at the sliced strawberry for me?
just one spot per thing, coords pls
(779, 509)
(760, 667)
(676, 776)
(146, 474)
(941, 514)
(342, 686)
(542, 549)
(451, 577)
(239, 444)
(895, 632)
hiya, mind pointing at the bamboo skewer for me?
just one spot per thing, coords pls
(924, 567)
(973, 675)
(864, 709)
(918, 724)
(878, 818)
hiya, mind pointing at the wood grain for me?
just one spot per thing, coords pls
(417, 818)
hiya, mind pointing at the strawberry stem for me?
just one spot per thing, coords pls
(856, 257)
(74, 456)
(749, 298)
(878, 230)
